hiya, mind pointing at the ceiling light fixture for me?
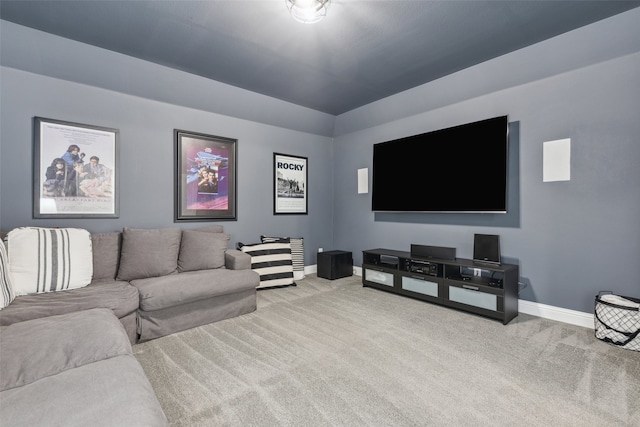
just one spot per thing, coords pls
(308, 11)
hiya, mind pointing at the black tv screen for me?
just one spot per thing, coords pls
(458, 169)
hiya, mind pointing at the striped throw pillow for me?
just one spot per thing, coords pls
(272, 261)
(49, 259)
(6, 290)
(297, 253)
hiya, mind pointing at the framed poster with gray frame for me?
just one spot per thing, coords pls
(205, 177)
(75, 170)
(290, 185)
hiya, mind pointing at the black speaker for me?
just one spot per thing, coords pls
(334, 264)
(486, 248)
(433, 252)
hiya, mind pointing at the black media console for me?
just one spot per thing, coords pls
(485, 289)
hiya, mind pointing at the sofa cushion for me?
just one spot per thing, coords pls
(106, 255)
(202, 250)
(120, 297)
(112, 392)
(297, 253)
(6, 289)
(73, 370)
(212, 229)
(149, 253)
(40, 348)
(169, 291)
(272, 261)
(49, 259)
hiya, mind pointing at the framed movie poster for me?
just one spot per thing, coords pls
(75, 172)
(290, 184)
(205, 177)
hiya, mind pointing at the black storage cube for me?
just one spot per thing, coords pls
(335, 264)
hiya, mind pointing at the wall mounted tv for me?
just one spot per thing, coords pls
(458, 169)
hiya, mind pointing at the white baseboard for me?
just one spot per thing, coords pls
(550, 312)
(312, 269)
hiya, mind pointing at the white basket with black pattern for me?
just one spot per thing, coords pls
(617, 320)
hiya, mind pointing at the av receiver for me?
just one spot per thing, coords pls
(425, 267)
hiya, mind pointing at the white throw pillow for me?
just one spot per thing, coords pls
(297, 253)
(6, 289)
(49, 259)
(272, 261)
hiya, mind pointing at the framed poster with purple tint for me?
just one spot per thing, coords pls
(205, 177)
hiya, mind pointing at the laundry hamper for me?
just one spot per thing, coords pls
(617, 320)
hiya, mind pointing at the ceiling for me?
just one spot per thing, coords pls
(363, 50)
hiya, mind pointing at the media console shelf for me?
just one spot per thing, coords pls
(484, 289)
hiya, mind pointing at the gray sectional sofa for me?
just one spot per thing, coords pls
(155, 282)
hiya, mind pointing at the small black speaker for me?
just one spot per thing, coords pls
(433, 252)
(486, 248)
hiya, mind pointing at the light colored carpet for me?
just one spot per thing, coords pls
(332, 353)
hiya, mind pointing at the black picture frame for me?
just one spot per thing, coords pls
(290, 184)
(75, 170)
(204, 199)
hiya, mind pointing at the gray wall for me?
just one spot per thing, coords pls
(147, 163)
(570, 239)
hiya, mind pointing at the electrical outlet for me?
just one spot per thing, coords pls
(477, 272)
(320, 249)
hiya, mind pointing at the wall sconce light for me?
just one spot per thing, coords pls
(308, 11)
(363, 181)
(556, 160)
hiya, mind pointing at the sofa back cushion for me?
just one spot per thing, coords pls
(212, 229)
(49, 259)
(106, 255)
(148, 253)
(201, 250)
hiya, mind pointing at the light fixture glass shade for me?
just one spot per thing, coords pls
(308, 11)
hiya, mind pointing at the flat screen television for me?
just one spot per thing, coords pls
(458, 169)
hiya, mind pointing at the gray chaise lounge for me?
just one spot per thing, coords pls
(75, 369)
